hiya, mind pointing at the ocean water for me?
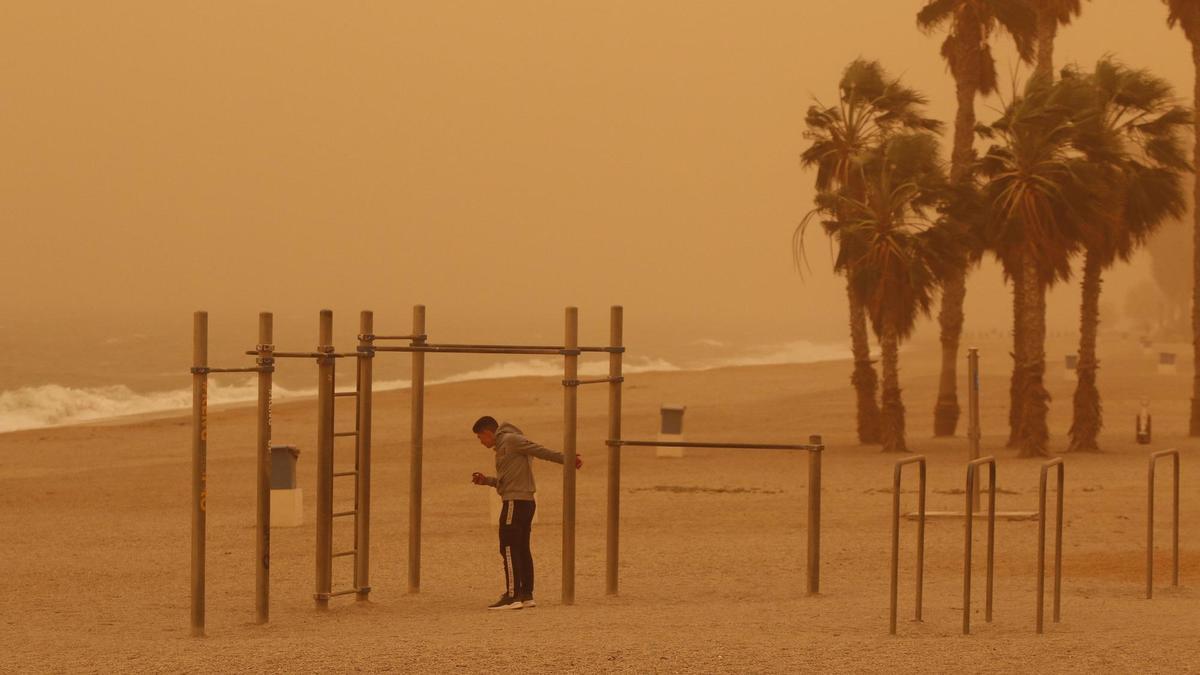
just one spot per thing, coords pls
(99, 372)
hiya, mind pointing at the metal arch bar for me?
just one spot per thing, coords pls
(972, 479)
(1056, 463)
(726, 446)
(1154, 457)
(920, 460)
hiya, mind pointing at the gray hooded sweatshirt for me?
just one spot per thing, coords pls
(514, 463)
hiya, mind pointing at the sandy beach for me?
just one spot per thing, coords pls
(97, 524)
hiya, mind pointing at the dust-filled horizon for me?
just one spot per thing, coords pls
(493, 161)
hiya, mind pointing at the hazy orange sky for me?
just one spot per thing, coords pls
(494, 160)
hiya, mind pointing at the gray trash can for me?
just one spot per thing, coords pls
(283, 466)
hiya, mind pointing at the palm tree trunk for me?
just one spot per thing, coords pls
(864, 379)
(1047, 30)
(1017, 383)
(1035, 400)
(893, 408)
(1087, 422)
(1194, 422)
(954, 292)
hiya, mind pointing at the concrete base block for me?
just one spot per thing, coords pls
(287, 508)
(669, 452)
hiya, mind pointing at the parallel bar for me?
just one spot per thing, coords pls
(813, 567)
(1057, 463)
(343, 434)
(1154, 457)
(343, 554)
(340, 394)
(570, 418)
(730, 446)
(417, 431)
(896, 476)
(310, 355)
(199, 466)
(248, 369)
(262, 553)
(334, 594)
(363, 459)
(367, 337)
(339, 474)
(596, 380)
(613, 511)
(325, 388)
(972, 479)
(343, 514)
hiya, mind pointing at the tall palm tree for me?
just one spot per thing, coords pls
(1129, 120)
(896, 257)
(1040, 193)
(870, 106)
(1186, 15)
(1050, 15)
(967, 51)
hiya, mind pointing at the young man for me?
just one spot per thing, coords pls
(514, 482)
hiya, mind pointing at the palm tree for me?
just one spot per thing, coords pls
(1050, 15)
(968, 54)
(896, 258)
(1186, 15)
(1132, 123)
(1039, 193)
(870, 105)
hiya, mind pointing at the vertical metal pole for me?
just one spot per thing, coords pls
(262, 552)
(417, 436)
(1150, 533)
(570, 417)
(362, 544)
(1058, 536)
(199, 464)
(895, 576)
(813, 581)
(1041, 550)
(974, 433)
(1175, 521)
(970, 513)
(613, 531)
(325, 374)
(921, 539)
(991, 535)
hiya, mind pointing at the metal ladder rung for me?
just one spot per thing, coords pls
(339, 474)
(338, 434)
(342, 514)
(348, 592)
(345, 393)
(344, 554)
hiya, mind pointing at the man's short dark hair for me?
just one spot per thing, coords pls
(485, 423)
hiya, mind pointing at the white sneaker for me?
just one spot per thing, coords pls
(528, 604)
(506, 602)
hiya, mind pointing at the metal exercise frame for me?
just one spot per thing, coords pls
(814, 448)
(1057, 464)
(1154, 457)
(919, 460)
(972, 479)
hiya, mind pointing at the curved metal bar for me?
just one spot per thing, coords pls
(972, 479)
(1154, 457)
(920, 460)
(1056, 463)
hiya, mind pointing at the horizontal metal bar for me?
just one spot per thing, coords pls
(204, 370)
(311, 355)
(441, 349)
(392, 337)
(728, 446)
(339, 434)
(345, 393)
(343, 554)
(342, 514)
(597, 380)
(339, 474)
(612, 350)
(347, 592)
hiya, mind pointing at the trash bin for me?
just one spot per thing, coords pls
(287, 500)
(671, 430)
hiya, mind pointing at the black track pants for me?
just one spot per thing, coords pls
(516, 519)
